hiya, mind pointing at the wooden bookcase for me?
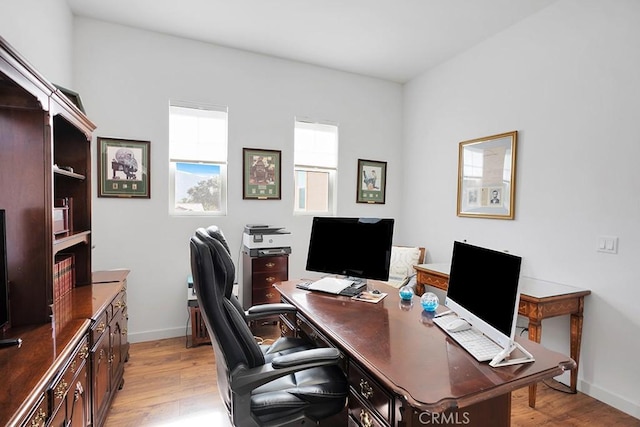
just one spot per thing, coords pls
(45, 141)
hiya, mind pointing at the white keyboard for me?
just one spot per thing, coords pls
(481, 347)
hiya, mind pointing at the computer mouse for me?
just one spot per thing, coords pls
(458, 325)
(375, 291)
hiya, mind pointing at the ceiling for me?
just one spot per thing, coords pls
(390, 39)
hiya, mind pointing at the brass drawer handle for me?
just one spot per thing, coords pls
(78, 392)
(365, 389)
(39, 419)
(269, 295)
(84, 352)
(365, 419)
(60, 390)
(270, 264)
(270, 279)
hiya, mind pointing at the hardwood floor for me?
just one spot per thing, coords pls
(169, 385)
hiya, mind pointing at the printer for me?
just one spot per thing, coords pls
(264, 240)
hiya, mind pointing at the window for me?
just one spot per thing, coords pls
(197, 159)
(315, 164)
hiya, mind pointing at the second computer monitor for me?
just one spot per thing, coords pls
(484, 290)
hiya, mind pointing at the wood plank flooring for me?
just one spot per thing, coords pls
(169, 385)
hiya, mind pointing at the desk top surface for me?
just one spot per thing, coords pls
(400, 345)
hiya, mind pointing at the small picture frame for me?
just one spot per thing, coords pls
(74, 97)
(123, 168)
(372, 181)
(261, 174)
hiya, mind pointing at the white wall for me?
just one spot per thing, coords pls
(567, 80)
(126, 78)
(42, 31)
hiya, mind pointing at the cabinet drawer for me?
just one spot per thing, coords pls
(119, 303)
(99, 327)
(372, 395)
(65, 381)
(267, 280)
(270, 263)
(38, 417)
(264, 295)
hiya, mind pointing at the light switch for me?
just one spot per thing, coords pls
(608, 244)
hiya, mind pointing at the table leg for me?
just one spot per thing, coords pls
(576, 338)
(535, 334)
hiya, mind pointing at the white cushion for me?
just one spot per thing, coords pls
(402, 261)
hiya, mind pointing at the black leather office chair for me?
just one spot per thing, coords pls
(291, 387)
(254, 312)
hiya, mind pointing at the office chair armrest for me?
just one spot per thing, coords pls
(243, 381)
(300, 357)
(263, 310)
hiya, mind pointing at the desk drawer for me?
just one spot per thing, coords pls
(361, 415)
(370, 393)
(311, 333)
(287, 322)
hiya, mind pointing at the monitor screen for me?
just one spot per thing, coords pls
(4, 280)
(355, 247)
(484, 290)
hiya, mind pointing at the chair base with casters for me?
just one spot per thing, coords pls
(286, 384)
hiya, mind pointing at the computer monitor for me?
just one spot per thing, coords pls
(352, 247)
(484, 290)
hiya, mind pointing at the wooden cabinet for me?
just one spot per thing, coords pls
(41, 132)
(259, 276)
(69, 392)
(109, 352)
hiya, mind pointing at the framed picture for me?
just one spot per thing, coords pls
(74, 97)
(487, 176)
(372, 181)
(123, 168)
(261, 174)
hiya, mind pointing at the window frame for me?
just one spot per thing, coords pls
(332, 191)
(223, 165)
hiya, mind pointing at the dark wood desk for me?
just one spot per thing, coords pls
(403, 370)
(539, 300)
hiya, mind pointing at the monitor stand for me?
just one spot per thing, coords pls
(502, 358)
(357, 282)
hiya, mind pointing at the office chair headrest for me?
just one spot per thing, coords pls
(215, 232)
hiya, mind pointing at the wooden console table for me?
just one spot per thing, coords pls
(539, 300)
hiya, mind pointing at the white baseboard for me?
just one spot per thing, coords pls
(159, 334)
(611, 399)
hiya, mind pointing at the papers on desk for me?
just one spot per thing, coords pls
(331, 285)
